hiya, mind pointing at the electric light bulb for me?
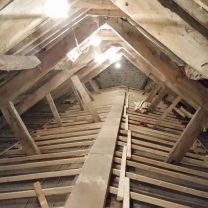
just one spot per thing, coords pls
(117, 65)
(95, 40)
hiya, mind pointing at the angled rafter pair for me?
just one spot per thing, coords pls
(48, 60)
(162, 70)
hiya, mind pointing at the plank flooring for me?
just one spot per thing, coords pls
(150, 181)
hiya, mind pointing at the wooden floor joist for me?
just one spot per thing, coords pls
(31, 193)
(150, 200)
(92, 183)
(121, 183)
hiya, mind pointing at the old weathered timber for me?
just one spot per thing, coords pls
(20, 131)
(188, 137)
(92, 184)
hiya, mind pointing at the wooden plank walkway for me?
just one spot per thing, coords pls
(92, 184)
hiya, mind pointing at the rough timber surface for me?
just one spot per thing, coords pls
(65, 150)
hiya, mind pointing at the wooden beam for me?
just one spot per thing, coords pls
(202, 3)
(78, 98)
(126, 201)
(50, 156)
(121, 183)
(48, 60)
(85, 97)
(193, 44)
(188, 137)
(190, 12)
(33, 176)
(4, 4)
(43, 90)
(94, 85)
(127, 123)
(142, 64)
(157, 99)
(164, 184)
(189, 90)
(167, 111)
(129, 144)
(153, 92)
(88, 92)
(95, 4)
(150, 200)
(12, 62)
(20, 131)
(86, 75)
(53, 109)
(31, 193)
(106, 12)
(95, 174)
(40, 194)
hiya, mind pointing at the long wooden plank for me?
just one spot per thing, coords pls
(31, 193)
(32, 176)
(164, 184)
(121, 183)
(126, 201)
(40, 164)
(40, 194)
(92, 184)
(151, 200)
(186, 177)
(11, 62)
(43, 156)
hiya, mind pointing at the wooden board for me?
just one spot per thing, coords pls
(92, 184)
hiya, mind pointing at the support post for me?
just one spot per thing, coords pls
(188, 137)
(153, 93)
(94, 85)
(85, 97)
(167, 111)
(53, 109)
(78, 98)
(88, 92)
(20, 131)
(156, 100)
